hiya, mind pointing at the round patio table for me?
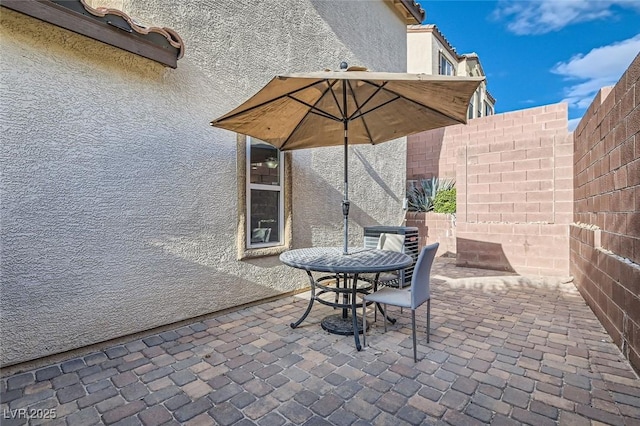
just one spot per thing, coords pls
(332, 260)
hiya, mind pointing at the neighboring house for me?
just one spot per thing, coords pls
(122, 209)
(429, 52)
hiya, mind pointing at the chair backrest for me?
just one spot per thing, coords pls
(260, 235)
(393, 242)
(420, 282)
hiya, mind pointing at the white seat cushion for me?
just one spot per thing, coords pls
(391, 296)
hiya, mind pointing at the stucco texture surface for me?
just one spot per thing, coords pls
(119, 201)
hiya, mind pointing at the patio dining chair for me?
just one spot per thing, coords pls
(414, 297)
(386, 241)
(392, 242)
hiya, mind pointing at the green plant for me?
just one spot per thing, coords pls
(445, 201)
(421, 194)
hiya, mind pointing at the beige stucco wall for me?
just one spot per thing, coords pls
(119, 201)
(424, 46)
(420, 53)
(423, 51)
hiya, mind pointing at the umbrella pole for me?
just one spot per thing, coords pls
(345, 201)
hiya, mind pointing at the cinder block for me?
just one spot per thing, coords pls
(526, 207)
(501, 228)
(513, 155)
(515, 197)
(541, 152)
(563, 183)
(476, 169)
(633, 224)
(501, 187)
(480, 188)
(489, 158)
(487, 217)
(541, 174)
(562, 206)
(501, 208)
(531, 164)
(633, 168)
(547, 207)
(489, 178)
(561, 231)
(527, 186)
(501, 146)
(540, 217)
(501, 167)
(515, 217)
(540, 196)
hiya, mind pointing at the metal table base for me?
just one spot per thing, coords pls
(345, 270)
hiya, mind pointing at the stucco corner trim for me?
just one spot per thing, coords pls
(110, 26)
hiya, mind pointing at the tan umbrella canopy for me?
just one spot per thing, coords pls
(355, 106)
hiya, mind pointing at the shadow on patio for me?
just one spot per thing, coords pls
(504, 350)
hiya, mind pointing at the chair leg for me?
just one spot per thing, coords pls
(385, 317)
(364, 323)
(428, 319)
(375, 288)
(413, 328)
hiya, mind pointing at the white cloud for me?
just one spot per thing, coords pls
(573, 123)
(545, 16)
(602, 66)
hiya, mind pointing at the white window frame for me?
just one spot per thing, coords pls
(280, 188)
(488, 109)
(448, 62)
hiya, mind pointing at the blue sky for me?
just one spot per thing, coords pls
(545, 51)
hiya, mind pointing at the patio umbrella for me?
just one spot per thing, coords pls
(354, 106)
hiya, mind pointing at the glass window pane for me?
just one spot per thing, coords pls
(265, 164)
(265, 225)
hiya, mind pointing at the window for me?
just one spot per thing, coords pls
(487, 108)
(446, 67)
(470, 111)
(264, 205)
(265, 200)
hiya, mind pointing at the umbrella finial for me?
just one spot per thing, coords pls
(343, 66)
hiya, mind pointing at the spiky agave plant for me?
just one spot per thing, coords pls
(420, 195)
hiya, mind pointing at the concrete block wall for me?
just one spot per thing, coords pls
(432, 154)
(605, 237)
(435, 227)
(514, 183)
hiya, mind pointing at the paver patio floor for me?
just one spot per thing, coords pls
(504, 350)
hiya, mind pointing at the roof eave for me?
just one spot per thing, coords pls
(411, 12)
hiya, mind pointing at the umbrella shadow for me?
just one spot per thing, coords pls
(375, 175)
(330, 217)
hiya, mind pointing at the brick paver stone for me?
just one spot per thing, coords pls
(192, 409)
(122, 412)
(500, 354)
(225, 414)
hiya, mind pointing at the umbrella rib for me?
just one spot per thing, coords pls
(379, 88)
(312, 110)
(362, 114)
(268, 101)
(315, 110)
(330, 86)
(359, 107)
(415, 102)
